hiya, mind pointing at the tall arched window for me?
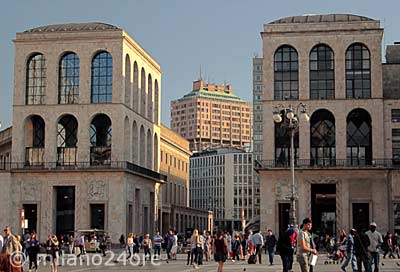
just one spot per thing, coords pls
(68, 79)
(34, 140)
(322, 141)
(127, 139)
(359, 138)
(135, 143)
(149, 150)
(142, 147)
(35, 80)
(102, 69)
(282, 144)
(156, 101)
(358, 71)
(286, 77)
(100, 140)
(322, 73)
(128, 81)
(155, 150)
(67, 139)
(150, 97)
(135, 87)
(143, 92)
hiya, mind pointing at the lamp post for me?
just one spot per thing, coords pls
(289, 116)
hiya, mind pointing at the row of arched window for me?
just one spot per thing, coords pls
(144, 102)
(141, 146)
(323, 139)
(322, 72)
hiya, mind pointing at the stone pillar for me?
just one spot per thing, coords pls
(304, 139)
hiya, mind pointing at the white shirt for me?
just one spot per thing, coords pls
(257, 239)
(175, 244)
(1, 242)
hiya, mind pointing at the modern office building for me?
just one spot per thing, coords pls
(212, 116)
(174, 163)
(346, 156)
(221, 180)
(85, 135)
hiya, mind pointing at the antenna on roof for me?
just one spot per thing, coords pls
(200, 76)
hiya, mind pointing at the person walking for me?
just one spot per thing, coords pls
(220, 250)
(170, 243)
(157, 242)
(10, 244)
(71, 243)
(258, 241)
(396, 244)
(129, 245)
(270, 244)
(285, 248)
(375, 242)
(122, 241)
(304, 248)
(388, 245)
(174, 249)
(349, 253)
(81, 244)
(54, 246)
(361, 243)
(103, 245)
(207, 246)
(33, 251)
(194, 244)
(236, 247)
(147, 245)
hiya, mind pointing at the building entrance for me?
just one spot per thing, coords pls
(360, 216)
(284, 214)
(65, 209)
(323, 208)
(31, 216)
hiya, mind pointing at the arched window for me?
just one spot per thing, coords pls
(150, 98)
(322, 141)
(68, 79)
(100, 140)
(67, 139)
(135, 143)
(135, 87)
(156, 102)
(359, 138)
(155, 149)
(282, 144)
(143, 92)
(286, 73)
(35, 80)
(128, 81)
(127, 139)
(102, 69)
(142, 147)
(34, 140)
(149, 149)
(358, 71)
(322, 73)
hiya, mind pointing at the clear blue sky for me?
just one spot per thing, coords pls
(221, 36)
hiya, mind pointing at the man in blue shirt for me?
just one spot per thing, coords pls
(170, 243)
(349, 254)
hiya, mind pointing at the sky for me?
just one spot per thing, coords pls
(221, 36)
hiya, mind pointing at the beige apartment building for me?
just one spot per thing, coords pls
(174, 163)
(85, 135)
(212, 115)
(347, 154)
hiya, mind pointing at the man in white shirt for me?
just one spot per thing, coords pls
(258, 241)
(375, 242)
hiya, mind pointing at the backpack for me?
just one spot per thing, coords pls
(252, 259)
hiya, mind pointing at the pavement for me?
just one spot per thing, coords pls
(118, 262)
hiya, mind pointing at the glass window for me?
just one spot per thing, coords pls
(286, 73)
(396, 145)
(102, 69)
(358, 74)
(395, 115)
(322, 141)
(282, 144)
(359, 138)
(35, 80)
(322, 73)
(68, 79)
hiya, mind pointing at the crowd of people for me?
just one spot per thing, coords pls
(360, 250)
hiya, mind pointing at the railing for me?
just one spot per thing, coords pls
(34, 156)
(329, 163)
(100, 155)
(79, 166)
(66, 155)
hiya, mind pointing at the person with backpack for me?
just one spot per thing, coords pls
(361, 244)
(220, 250)
(236, 247)
(285, 248)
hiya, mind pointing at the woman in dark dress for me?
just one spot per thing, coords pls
(33, 251)
(220, 250)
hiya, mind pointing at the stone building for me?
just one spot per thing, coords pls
(212, 116)
(347, 155)
(174, 163)
(221, 180)
(86, 132)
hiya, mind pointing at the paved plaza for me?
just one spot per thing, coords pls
(109, 264)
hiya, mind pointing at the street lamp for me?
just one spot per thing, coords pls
(290, 118)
